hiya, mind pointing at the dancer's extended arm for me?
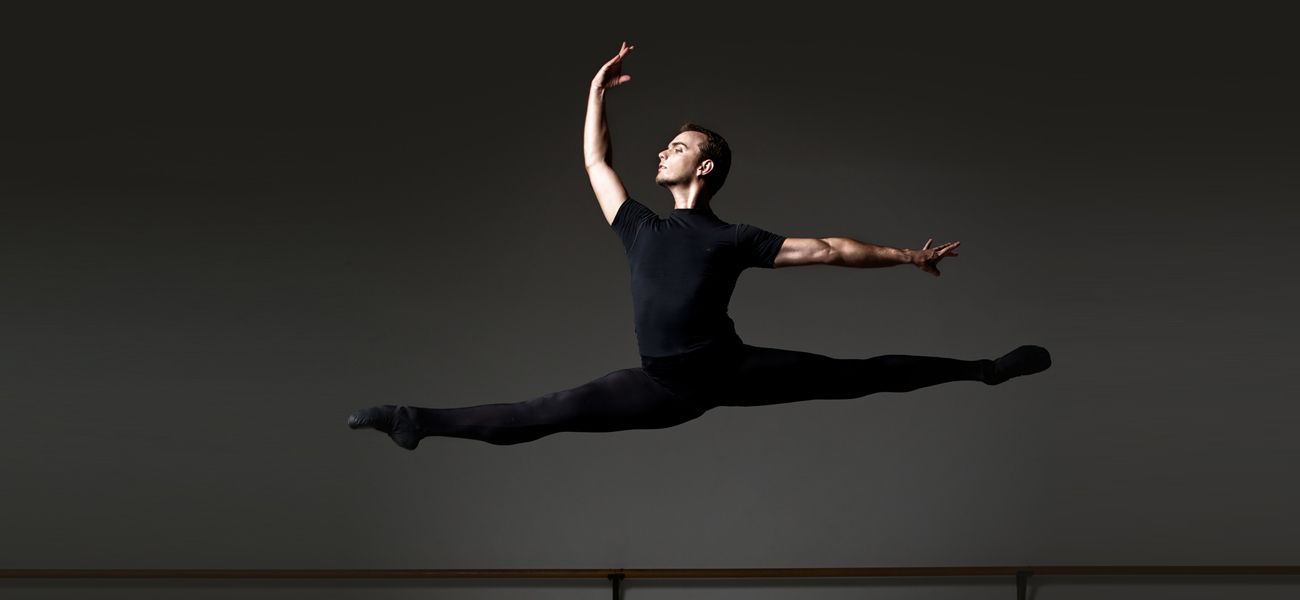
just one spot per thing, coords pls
(596, 151)
(848, 252)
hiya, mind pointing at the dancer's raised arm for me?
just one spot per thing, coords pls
(596, 150)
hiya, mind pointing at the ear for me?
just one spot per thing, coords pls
(705, 167)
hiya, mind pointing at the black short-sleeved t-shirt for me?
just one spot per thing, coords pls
(684, 268)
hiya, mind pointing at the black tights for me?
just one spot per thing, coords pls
(672, 390)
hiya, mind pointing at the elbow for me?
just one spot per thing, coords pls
(828, 254)
(591, 161)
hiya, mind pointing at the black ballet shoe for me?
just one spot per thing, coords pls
(390, 419)
(1025, 360)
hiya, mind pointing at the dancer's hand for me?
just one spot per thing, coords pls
(611, 73)
(926, 258)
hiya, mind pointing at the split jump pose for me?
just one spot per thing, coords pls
(683, 269)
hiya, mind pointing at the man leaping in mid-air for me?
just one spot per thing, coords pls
(684, 268)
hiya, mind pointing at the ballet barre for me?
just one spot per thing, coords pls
(1021, 574)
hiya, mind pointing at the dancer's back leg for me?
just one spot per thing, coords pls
(620, 400)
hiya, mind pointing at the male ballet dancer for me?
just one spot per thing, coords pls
(683, 269)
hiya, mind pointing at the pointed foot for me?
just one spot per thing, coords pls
(394, 420)
(1025, 360)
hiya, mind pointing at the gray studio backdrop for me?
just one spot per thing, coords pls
(221, 234)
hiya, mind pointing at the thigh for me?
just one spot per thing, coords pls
(622, 399)
(763, 376)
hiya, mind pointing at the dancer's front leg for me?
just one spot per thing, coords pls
(621, 400)
(775, 376)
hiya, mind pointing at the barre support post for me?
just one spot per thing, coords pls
(616, 579)
(1022, 583)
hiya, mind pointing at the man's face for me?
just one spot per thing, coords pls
(678, 162)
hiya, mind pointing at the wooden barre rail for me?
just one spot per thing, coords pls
(616, 576)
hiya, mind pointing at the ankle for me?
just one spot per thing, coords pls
(988, 370)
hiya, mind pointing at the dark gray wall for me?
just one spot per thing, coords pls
(223, 231)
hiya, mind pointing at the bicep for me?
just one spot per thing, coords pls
(802, 251)
(609, 189)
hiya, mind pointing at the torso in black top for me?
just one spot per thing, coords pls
(684, 268)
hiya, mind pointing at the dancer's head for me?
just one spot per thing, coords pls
(696, 154)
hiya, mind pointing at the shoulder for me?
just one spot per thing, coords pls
(630, 220)
(752, 234)
(759, 246)
(630, 211)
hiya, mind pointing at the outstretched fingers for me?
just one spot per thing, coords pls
(941, 249)
(931, 256)
(622, 51)
(610, 73)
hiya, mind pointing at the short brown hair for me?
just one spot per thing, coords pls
(715, 148)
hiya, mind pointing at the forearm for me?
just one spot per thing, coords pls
(595, 134)
(848, 252)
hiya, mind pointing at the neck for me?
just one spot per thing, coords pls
(689, 195)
